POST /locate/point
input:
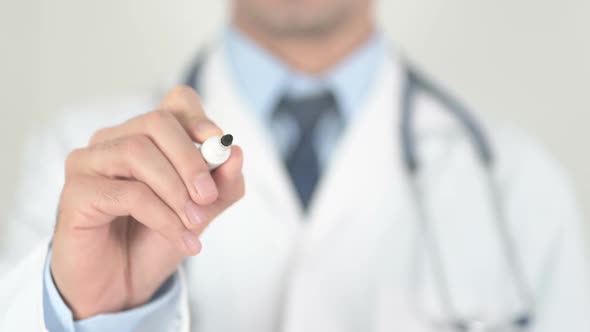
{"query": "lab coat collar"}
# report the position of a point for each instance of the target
(355, 169)
(263, 168)
(365, 161)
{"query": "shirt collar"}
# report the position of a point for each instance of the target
(350, 79)
(263, 79)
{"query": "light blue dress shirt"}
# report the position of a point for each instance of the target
(348, 80)
(262, 79)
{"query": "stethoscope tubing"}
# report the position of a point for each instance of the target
(414, 83)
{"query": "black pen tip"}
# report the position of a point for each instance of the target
(227, 140)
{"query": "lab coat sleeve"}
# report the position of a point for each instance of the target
(551, 237)
(30, 219)
(25, 231)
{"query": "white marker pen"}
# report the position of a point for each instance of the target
(216, 150)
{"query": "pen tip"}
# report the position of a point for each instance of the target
(227, 140)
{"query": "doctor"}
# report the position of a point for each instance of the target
(329, 234)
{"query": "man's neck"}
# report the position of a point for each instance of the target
(313, 54)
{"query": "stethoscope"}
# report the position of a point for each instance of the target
(453, 321)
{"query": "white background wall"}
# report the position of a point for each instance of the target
(525, 62)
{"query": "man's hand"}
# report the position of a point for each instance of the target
(134, 203)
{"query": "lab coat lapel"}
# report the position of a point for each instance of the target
(263, 169)
(365, 163)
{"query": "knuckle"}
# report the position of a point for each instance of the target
(98, 136)
(114, 192)
(158, 118)
(183, 101)
(73, 188)
(69, 192)
(136, 146)
(72, 160)
(70, 185)
(140, 192)
(196, 117)
(185, 92)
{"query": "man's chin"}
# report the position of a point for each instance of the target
(295, 19)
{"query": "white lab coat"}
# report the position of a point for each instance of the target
(348, 266)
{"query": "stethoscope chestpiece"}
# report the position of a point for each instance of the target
(461, 326)
(473, 325)
(523, 321)
(520, 323)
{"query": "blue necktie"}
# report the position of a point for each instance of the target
(302, 161)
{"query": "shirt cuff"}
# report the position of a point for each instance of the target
(159, 314)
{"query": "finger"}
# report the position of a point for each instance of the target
(229, 178)
(231, 188)
(170, 138)
(185, 104)
(102, 200)
(136, 157)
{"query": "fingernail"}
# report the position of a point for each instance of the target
(205, 186)
(192, 242)
(193, 213)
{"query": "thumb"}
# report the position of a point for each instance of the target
(185, 104)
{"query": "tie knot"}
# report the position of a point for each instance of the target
(308, 110)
